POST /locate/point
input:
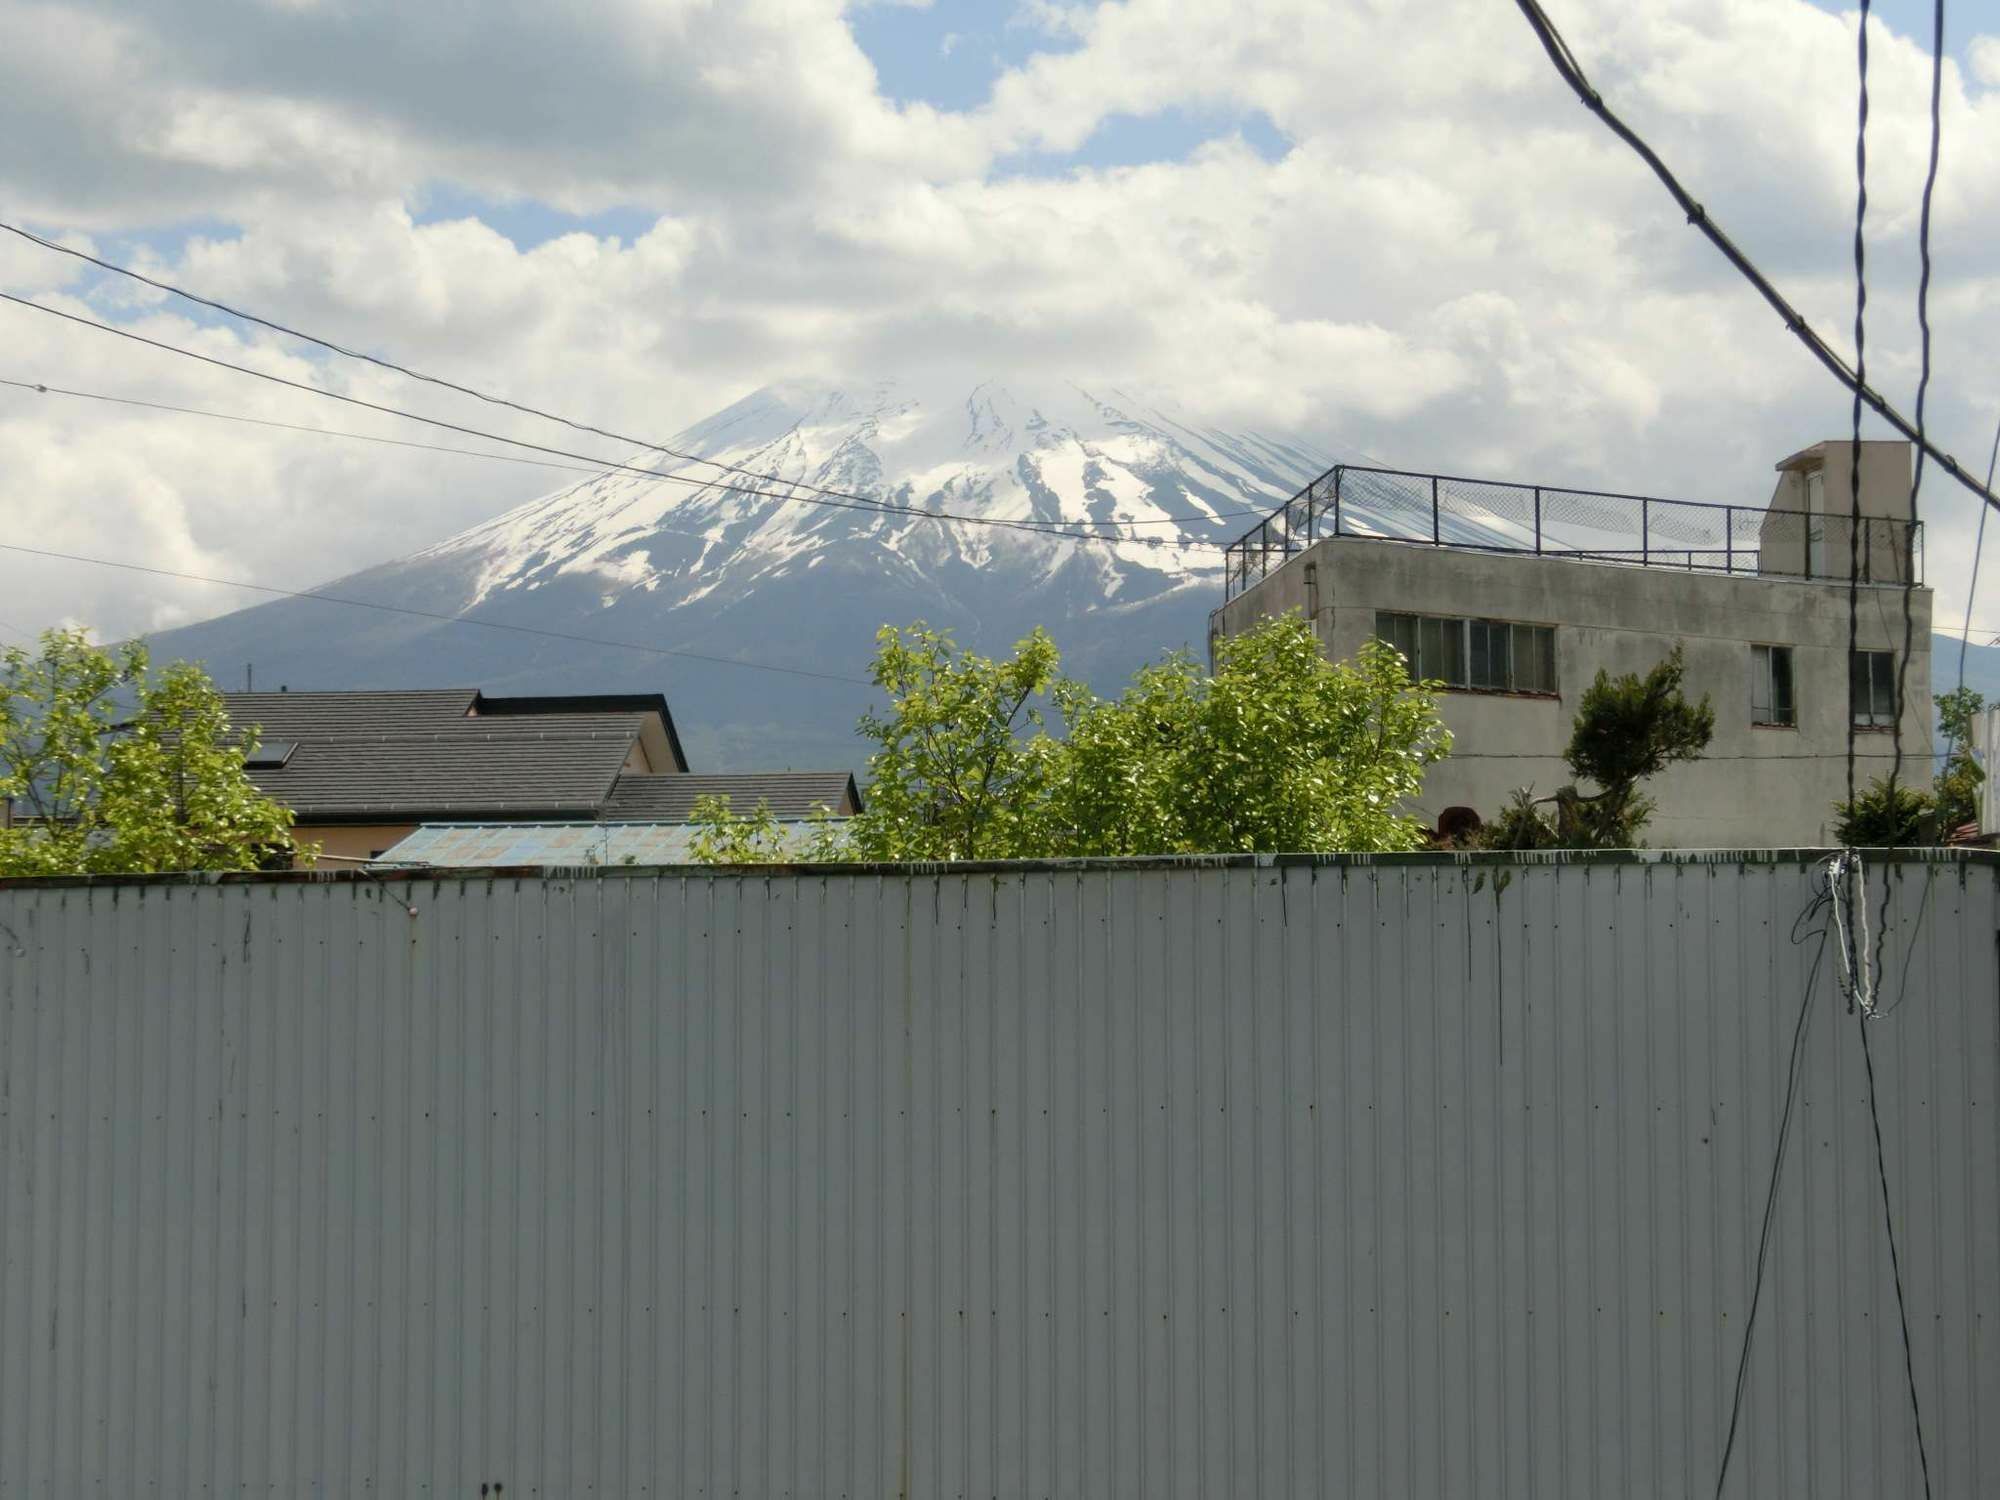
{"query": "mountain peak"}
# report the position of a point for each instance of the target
(734, 551)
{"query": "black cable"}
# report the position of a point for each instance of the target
(1924, 376)
(1895, 1261)
(429, 614)
(1860, 381)
(597, 469)
(1572, 73)
(1819, 905)
(40, 388)
(1923, 389)
(875, 506)
(451, 385)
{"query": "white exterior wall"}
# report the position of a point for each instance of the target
(1413, 1177)
(1755, 786)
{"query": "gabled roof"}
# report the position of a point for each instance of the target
(291, 716)
(486, 706)
(456, 754)
(791, 794)
(407, 756)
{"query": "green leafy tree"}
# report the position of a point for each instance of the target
(1627, 729)
(961, 765)
(1887, 815)
(1279, 749)
(726, 837)
(114, 770)
(1958, 782)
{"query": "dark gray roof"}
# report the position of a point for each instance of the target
(408, 756)
(293, 716)
(791, 794)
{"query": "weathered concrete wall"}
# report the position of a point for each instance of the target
(1756, 786)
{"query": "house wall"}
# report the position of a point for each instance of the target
(344, 843)
(1755, 786)
(1199, 1178)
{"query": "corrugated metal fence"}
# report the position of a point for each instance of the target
(1403, 1178)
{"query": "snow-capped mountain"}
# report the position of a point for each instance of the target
(764, 572)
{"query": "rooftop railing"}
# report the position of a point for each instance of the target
(1482, 515)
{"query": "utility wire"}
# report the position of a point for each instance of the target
(1860, 381)
(1819, 905)
(1572, 73)
(1895, 1261)
(879, 507)
(428, 614)
(1924, 377)
(600, 468)
(229, 416)
(870, 501)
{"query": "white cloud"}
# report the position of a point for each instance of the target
(1985, 54)
(1452, 266)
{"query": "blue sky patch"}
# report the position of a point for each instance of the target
(1170, 135)
(949, 54)
(527, 224)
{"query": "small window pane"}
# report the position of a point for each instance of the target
(1500, 654)
(1885, 686)
(1484, 671)
(1451, 654)
(1872, 686)
(1399, 632)
(1771, 686)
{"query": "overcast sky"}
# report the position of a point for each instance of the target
(1383, 223)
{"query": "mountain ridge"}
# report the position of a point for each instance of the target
(682, 559)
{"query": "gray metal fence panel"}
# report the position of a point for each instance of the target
(1300, 1178)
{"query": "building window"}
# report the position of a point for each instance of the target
(1771, 700)
(1871, 686)
(1490, 656)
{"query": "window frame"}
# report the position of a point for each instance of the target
(1771, 713)
(1881, 688)
(1467, 648)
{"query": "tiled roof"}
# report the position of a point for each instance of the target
(396, 756)
(291, 716)
(791, 794)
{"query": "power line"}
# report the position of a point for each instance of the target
(503, 401)
(1558, 756)
(1924, 376)
(879, 507)
(1820, 904)
(1860, 380)
(428, 614)
(41, 388)
(596, 467)
(1895, 1260)
(1572, 73)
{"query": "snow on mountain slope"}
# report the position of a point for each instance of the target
(765, 572)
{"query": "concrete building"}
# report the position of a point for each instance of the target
(1516, 596)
